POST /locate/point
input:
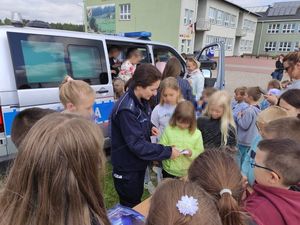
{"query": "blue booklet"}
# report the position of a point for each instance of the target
(121, 215)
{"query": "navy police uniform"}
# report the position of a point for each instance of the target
(131, 148)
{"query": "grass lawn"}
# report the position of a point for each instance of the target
(110, 195)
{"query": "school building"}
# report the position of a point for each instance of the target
(187, 25)
(278, 28)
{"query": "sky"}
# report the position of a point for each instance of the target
(71, 11)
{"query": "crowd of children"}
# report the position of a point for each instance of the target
(238, 163)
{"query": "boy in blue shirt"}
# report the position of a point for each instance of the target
(264, 117)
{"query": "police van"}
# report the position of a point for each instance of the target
(34, 61)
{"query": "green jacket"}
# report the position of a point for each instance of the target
(181, 139)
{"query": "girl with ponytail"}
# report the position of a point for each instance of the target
(217, 173)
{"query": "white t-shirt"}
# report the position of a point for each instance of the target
(161, 115)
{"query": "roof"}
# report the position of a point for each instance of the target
(241, 8)
(258, 9)
(279, 11)
(284, 9)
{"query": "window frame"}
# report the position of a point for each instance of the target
(285, 46)
(288, 28)
(273, 28)
(270, 45)
(22, 82)
(125, 12)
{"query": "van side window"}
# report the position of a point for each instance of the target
(164, 53)
(85, 62)
(42, 61)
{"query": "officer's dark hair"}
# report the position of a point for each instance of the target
(24, 121)
(292, 97)
(144, 76)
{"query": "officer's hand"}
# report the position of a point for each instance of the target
(155, 131)
(175, 153)
(189, 153)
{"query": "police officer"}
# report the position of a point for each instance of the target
(131, 149)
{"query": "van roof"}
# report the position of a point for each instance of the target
(75, 34)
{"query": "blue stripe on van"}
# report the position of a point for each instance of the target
(8, 120)
(102, 111)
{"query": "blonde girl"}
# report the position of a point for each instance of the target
(182, 203)
(170, 95)
(77, 97)
(182, 132)
(195, 77)
(55, 177)
(217, 125)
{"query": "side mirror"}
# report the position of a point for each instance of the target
(206, 73)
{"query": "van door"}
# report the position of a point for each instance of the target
(42, 61)
(218, 80)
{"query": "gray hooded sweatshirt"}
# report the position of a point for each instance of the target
(246, 125)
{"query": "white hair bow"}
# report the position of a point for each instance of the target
(187, 205)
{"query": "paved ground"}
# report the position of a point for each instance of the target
(248, 72)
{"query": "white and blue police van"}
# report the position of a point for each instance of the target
(34, 61)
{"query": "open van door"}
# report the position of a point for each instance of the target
(217, 80)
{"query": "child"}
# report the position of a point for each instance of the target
(170, 95)
(202, 103)
(285, 84)
(288, 127)
(55, 176)
(195, 77)
(246, 122)
(180, 202)
(77, 97)
(274, 88)
(217, 173)
(113, 54)
(133, 57)
(182, 132)
(264, 117)
(217, 125)
(24, 121)
(119, 88)
(276, 196)
(239, 104)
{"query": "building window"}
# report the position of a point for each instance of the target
(273, 28)
(226, 19)
(125, 12)
(249, 25)
(185, 19)
(228, 44)
(288, 28)
(190, 18)
(242, 45)
(220, 17)
(270, 46)
(232, 21)
(250, 46)
(285, 46)
(212, 15)
(182, 45)
(296, 46)
(188, 46)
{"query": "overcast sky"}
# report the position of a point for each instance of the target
(70, 11)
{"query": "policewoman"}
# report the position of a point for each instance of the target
(131, 148)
